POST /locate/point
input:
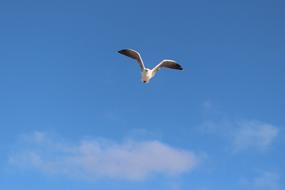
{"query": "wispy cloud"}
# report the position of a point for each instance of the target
(253, 134)
(265, 180)
(93, 159)
(244, 135)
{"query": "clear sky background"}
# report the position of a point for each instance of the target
(74, 114)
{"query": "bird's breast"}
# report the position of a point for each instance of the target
(146, 76)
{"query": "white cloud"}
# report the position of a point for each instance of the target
(94, 159)
(253, 134)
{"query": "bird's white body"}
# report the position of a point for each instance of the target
(147, 74)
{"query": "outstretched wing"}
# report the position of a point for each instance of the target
(168, 64)
(133, 54)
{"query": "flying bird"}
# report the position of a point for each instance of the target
(147, 74)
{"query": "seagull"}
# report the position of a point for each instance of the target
(147, 74)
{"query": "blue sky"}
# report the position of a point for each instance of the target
(74, 114)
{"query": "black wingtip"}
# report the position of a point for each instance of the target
(121, 51)
(179, 67)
